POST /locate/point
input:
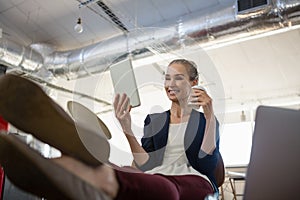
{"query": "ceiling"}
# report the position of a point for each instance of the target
(253, 67)
(41, 21)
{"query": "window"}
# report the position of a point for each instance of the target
(235, 143)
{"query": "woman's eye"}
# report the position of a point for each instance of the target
(178, 78)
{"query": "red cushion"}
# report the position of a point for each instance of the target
(3, 124)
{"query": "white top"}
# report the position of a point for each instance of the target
(175, 161)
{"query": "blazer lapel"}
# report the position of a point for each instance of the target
(160, 125)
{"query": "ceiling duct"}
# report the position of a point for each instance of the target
(209, 29)
(15, 55)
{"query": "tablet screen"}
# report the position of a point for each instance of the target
(123, 78)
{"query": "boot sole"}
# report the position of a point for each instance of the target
(27, 107)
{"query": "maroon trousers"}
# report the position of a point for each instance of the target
(141, 186)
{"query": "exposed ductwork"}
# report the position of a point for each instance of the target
(197, 28)
(15, 55)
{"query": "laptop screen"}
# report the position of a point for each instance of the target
(273, 171)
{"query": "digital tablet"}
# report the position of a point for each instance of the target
(124, 81)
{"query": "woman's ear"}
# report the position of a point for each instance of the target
(195, 82)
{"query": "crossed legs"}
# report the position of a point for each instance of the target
(80, 172)
(25, 105)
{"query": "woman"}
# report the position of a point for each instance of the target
(180, 142)
(176, 160)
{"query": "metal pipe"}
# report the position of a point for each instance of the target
(209, 29)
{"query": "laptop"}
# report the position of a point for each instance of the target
(274, 168)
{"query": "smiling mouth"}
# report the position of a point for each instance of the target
(173, 91)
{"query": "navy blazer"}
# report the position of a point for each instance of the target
(154, 141)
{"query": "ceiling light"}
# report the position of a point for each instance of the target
(78, 27)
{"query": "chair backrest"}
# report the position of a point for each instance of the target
(220, 171)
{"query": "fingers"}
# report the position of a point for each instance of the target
(121, 105)
(116, 101)
(124, 103)
(201, 98)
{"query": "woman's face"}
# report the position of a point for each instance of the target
(177, 83)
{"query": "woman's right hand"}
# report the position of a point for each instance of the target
(122, 112)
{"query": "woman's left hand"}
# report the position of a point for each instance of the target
(201, 98)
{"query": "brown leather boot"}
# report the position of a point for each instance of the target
(27, 107)
(33, 173)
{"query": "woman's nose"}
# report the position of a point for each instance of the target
(172, 82)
